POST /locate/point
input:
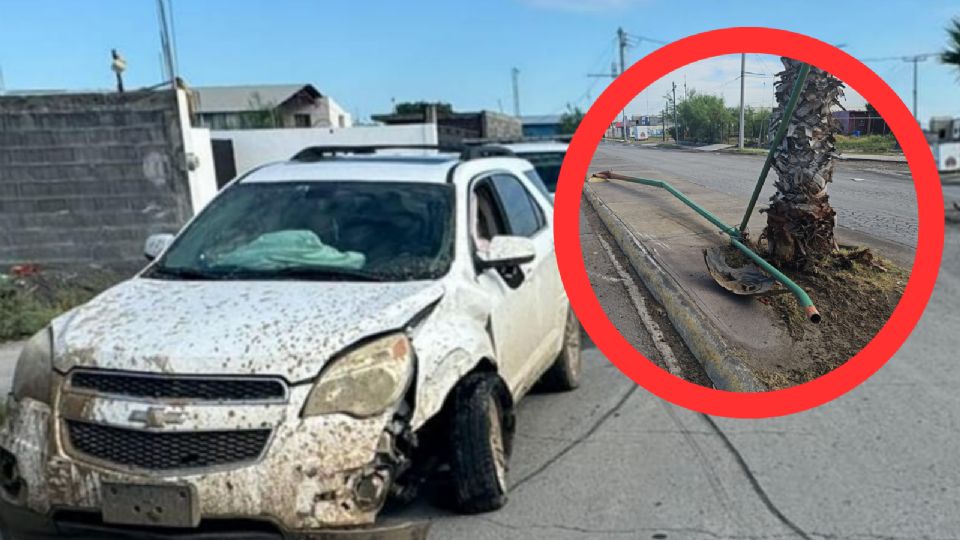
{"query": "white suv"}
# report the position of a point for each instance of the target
(326, 333)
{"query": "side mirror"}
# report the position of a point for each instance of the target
(156, 244)
(505, 251)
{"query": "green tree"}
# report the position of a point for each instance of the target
(951, 55)
(800, 220)
(704, 118)
(570, 119)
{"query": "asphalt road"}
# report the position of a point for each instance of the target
(870, 197)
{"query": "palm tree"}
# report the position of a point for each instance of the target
(800, 220)
(952, 54)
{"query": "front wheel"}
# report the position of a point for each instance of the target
(481, 431)
(564, 374)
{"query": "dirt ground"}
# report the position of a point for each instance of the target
(855, 291)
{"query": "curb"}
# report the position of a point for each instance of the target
(719, 360)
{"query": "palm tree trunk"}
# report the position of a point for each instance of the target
(800, 220)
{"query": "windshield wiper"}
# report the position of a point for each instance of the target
(183, 273)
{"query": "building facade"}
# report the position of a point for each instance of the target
(266, 106)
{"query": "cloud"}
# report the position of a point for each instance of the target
(582, 6)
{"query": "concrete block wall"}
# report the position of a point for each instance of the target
(85, 178)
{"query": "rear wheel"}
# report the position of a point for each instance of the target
(481, 432)
(564, 374)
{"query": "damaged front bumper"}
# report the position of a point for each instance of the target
(326, 473)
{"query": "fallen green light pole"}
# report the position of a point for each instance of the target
(736, 235)
(735, 239)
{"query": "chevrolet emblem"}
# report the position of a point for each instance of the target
(157, 417)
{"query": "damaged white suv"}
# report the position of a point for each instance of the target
(327, 333)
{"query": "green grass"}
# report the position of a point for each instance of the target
(24, 312)
(869, 144)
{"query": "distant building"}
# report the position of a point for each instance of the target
(454, 127)
(861, 123)
(266, 106)
(543, 125)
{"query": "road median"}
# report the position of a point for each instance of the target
(743, 343)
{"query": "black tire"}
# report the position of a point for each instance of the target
(564, 374)
(481, 436)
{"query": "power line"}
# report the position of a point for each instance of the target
(915, 59)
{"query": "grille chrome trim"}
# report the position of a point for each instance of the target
(162, 451)
(195, 388)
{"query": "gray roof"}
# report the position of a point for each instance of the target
(541, 119)
(212, 99)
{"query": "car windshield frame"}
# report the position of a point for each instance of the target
(446, 253)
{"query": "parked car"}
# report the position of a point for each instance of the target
(546, 157)
(325, 334)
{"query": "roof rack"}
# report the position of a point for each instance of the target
(467, 152)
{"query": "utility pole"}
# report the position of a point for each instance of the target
(165, 45)
(118, 65)
(622, 43)
(916, 59)
(743, 70)
(516, 91)
(676, 126)
(663, 122)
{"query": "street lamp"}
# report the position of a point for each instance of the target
(119, 65)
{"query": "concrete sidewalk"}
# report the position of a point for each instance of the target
(738, 339)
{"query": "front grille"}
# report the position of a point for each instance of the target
(166, 450)
(173, 387)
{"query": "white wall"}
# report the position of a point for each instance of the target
(201, 175)
(253, 147)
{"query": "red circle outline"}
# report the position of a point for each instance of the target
(930, 231)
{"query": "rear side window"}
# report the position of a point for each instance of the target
(524, 214)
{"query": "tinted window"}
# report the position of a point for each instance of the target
(538, 183)
(522, 212)
(547, 165)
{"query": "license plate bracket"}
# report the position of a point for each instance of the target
(153, 505)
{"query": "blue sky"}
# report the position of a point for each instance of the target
(365, 54)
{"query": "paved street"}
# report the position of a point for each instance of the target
(874, 198)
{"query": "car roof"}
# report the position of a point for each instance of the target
(427, 168)
(536, 147)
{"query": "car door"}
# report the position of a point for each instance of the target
(510, 290)
(526, 218)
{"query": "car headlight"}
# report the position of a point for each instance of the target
(34, 371)
(365, 381)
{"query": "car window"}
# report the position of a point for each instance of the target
(384, 231)
(538, 183)
(488, 221)
(523, 213)
(547, 165)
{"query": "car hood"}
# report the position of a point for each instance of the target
(284, 328)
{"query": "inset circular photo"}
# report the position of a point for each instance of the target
(748, 184)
